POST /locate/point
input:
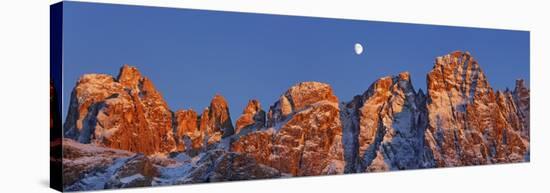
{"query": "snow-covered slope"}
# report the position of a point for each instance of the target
(90, 167)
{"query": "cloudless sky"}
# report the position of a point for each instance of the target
(190, 55)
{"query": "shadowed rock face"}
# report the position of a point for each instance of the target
(385, 127)
(305, 135)
(215, 120)
(137, 171)
(88, 167)
(521, 96)
(253, 117)
(468, 123)
(219, 165)
(461, 121)
(124, 113)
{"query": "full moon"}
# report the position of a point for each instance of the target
(358, 48)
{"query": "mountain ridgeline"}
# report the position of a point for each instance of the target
(459, 121)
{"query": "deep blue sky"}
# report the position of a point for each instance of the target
(190, 55)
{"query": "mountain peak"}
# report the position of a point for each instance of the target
(456, 57)
(460, 100)
(404, 76)
(218, 99)
(459, 53)
(304, 94)
(299, 97)
(219, 104)
(129, 76)
(215, 120)
(252, 106)
(127, 113)
(304, 135)
(388, 84)
(457, 72)
(520, 86)
(253, 115)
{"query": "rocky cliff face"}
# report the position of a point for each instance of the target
(459, 121)
(304, 135)
(521, 96)
(188, 135)
(123, 113)
(253, 117)
(468, 123)
(198, 132)
(215, 121)
(384, 127)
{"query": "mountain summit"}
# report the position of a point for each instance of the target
(125, 113)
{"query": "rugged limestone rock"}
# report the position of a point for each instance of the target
(305, 135)
(124, 113)
(195, 133)
(297, 98)
(384, 127)
(468, 124)
(188, 135)
(253, 117)
(215, 121)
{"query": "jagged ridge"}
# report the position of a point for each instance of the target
(460, 121)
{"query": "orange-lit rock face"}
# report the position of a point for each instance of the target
(468, 124)
(253, 117)
(215, 121)
(125, 113)
(188, 135)
(299, 97)
(187, 122)
(197, 132)
(305, 138)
